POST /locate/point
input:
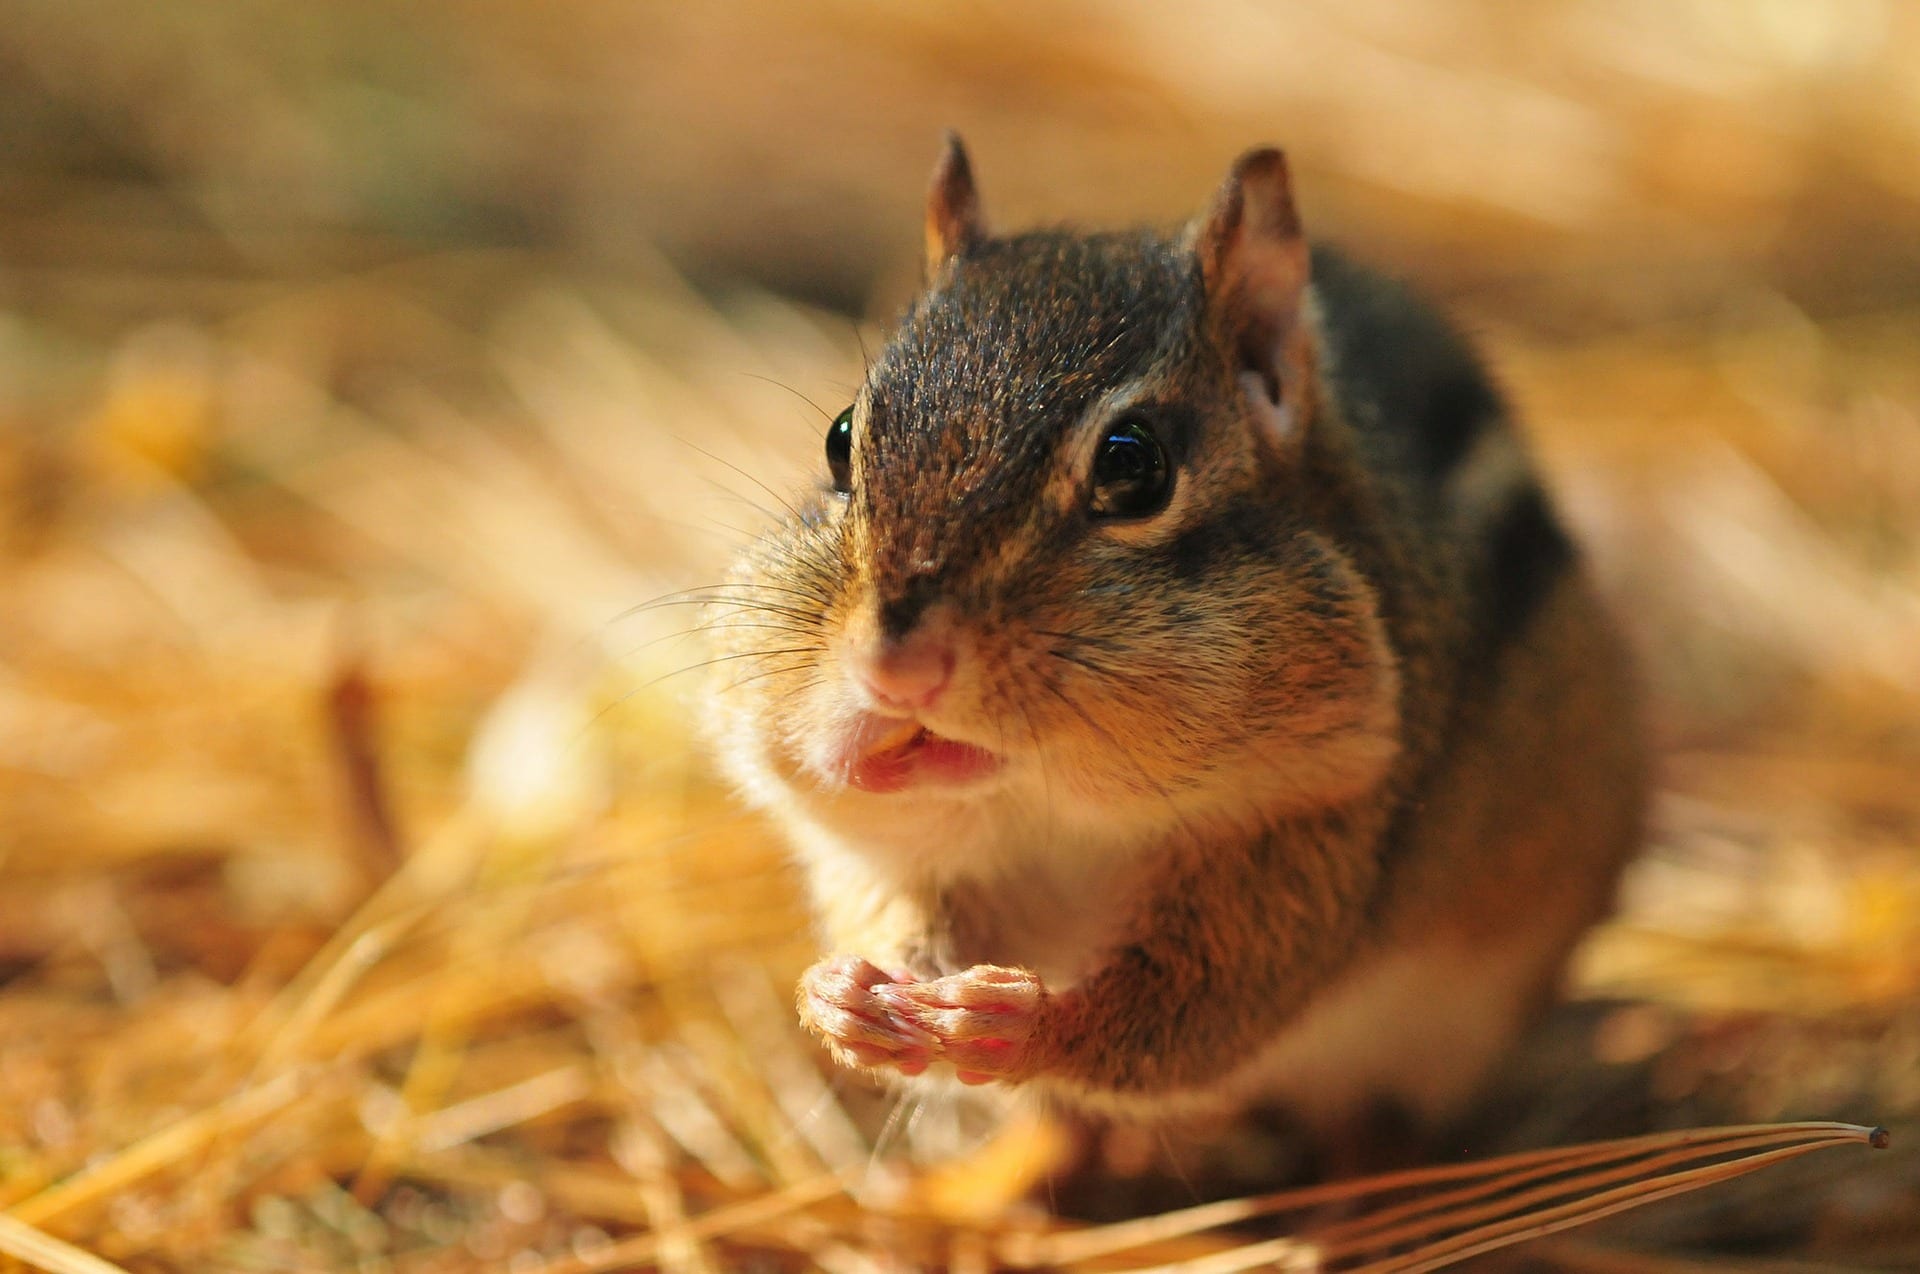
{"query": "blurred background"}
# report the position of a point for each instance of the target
(363, 902)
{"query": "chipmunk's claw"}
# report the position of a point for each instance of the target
(838, 1003)
(980, 1020)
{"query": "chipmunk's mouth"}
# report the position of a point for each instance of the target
(889, 755)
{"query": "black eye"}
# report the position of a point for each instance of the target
(840, 451)
(1131, 476)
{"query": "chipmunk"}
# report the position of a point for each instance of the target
(1180, 693)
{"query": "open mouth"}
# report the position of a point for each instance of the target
(908, 753)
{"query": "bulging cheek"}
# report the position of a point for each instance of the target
(805, 716)
(1100, 735)
(759, 689)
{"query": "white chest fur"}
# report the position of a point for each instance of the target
(1019, 884)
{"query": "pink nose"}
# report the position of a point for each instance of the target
(908, 674)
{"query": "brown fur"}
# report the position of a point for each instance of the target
(1344, 712)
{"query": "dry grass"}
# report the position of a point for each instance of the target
(363, 903)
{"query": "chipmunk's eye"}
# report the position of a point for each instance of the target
(840, 451)
(1131, 476)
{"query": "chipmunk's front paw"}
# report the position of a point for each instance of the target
(981, 1019)
(840, 1004)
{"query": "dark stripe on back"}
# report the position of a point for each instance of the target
(1526, 552)
(1430, 397)
(1461, 408)
(1522, 552)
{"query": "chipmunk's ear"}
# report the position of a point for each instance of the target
(1254, 264)
(954, 223)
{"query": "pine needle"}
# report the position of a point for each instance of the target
(43, 1251)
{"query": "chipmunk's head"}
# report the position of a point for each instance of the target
(1070, 541)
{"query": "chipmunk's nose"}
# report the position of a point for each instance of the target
(907, 673)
